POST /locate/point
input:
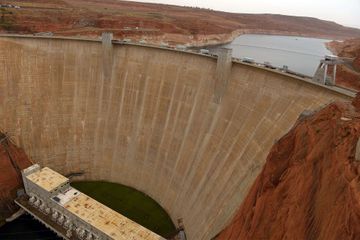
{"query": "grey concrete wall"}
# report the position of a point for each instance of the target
(152, 123)
(223, 72)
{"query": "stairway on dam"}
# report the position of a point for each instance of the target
(150, 118)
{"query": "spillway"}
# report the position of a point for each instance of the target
(146, 117)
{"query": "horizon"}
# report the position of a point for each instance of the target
(336, 11)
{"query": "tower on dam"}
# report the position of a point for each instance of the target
(326, 71)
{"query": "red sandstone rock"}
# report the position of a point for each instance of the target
(356, 102)
(12, 161)
(348, 78)
(309, 187)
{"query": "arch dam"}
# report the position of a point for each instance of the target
(151, 118)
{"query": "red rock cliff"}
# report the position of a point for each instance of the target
(309, 187)
(12, 161)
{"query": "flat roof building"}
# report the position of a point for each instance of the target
(106, 220)
(54, 200)
(47, 179)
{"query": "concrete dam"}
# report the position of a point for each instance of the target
(151, 118)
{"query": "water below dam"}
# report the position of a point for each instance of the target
(300, 54)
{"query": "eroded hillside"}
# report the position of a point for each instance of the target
(155, 23)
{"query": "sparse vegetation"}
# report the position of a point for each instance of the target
(6, 22)
(156, 15)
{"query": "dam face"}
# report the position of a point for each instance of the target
(146, 117)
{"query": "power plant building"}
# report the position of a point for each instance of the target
(50, 198)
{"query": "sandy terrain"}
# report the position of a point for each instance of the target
(155, 23)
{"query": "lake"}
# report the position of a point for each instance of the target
(300, 54)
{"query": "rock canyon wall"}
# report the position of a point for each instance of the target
(309, 187)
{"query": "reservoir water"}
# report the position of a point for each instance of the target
(300, 54)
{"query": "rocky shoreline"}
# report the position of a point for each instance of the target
(203, 40)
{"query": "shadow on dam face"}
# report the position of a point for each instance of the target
(146, 117)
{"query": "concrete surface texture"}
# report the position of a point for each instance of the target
(151, 122)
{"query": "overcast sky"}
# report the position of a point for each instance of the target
(345, 12)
